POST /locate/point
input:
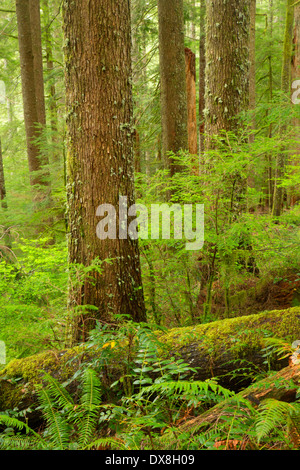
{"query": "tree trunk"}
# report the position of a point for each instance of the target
(286, 89)
(202, 65)
(31, 77)
(172, 76)
(190, 74)
(52, 89)
(2, 181)
(100, 160)
(252, 75)
(227, 64)
(294, 194)
(213, 349)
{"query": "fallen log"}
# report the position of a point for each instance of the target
(215, 349)
(282, 385)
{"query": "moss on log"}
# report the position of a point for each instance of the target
(214, 349)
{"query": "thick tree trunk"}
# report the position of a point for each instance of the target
(227, 64)
(100, 160)
(286, 89)
(294, 193)
(252, 75)
(172, 76)
(202, 65)
(32, 83)
(214, 350)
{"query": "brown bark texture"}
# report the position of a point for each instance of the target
(32, 85)
(172, 77)
(100, 159)
(227, 64)
(190, 74)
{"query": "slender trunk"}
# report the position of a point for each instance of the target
(100, 161)
(2, 181)
(190, 73)
(36, 37)
(269, 169)
(52, 88)
(173, 85)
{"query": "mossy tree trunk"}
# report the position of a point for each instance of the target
(100, 159)
(172, 77)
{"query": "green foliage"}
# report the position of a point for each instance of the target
(69, 425)
(33, 297)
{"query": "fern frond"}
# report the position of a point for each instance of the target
(90, 401)
(62, 398)
(107, 442)
(19, 425)
(58, 429)
(272, 413)
(183, 387)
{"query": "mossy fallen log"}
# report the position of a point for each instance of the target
(214, 349)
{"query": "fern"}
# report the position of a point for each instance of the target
(89, 405)
(273, 413)
(58, 429)
(185, 388)
(16, 442)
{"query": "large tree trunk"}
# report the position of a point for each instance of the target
(286, 89)
(202, 66)
(32, 86)
(214, 350)
(100, 160)
(172, 77)
(227, 64)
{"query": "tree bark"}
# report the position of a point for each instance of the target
(2, 181)
(294, 194)
(202, 65)
(172, 76)
(190, 75)
(227, 64)
(32, 84)
(252, 74)
(213, 349)
(286, 89)
(100, 160)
